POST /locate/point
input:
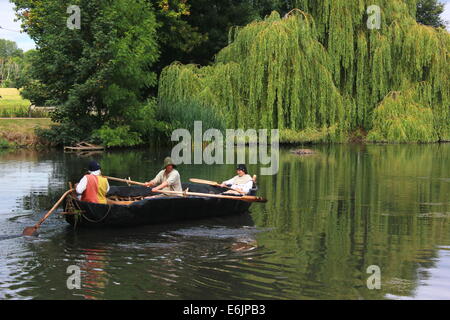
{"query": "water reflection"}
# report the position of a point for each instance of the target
(329, 217)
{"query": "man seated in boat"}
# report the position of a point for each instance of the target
(242, 183)
(93, 187)
(168, 179)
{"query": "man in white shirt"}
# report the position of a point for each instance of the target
(242, 182)
(93, 187)
(168, 179)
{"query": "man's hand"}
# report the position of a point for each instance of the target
(149, 184)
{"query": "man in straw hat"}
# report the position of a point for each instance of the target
(168, 179)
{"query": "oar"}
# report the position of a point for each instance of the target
(214, 184)
(242, 198)
(126, 181)
(32, 231)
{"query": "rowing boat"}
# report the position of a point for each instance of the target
(129, 206)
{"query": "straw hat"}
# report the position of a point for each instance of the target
(168, 162)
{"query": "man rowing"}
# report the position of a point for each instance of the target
(168, 179)
(242, 182)
(93, 187)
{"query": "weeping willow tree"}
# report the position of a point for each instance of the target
(400, 119)
(321, 68)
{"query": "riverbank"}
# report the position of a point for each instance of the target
(20, 132)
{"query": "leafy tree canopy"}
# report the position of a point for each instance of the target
(98, 72)
(429, 13)
(9, 49)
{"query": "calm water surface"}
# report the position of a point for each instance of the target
(329, 217)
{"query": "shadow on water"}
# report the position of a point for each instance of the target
(176, 261)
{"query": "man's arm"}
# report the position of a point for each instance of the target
(228, 182)
(81, 186)
(155, 181)
(161, 186)
(171, 180)
(247, 187)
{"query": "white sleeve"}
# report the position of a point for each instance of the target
(229, 182)
(247, 187)
(82, 185)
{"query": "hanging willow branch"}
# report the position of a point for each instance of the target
(321, 67)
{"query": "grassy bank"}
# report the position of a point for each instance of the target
(16, 130)
(21, 132)
(12, 104)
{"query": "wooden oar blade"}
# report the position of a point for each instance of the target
(30, 231)
(254, 199)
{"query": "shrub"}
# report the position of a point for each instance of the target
(144, 121)
(62, 134)
(120, 136)
(310, 135)
(4, 144)
(184, 114)
(400, 119)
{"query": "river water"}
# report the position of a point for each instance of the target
(330, 216)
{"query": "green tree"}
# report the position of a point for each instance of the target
(176, 37)
(214, 19)
(429, 13)
(97, 73)
(32, 88)
(9, 49)
(196, 34)
(322, 69)
(10, 63)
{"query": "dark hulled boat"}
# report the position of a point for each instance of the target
(127, 207)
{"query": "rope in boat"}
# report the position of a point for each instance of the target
(98, 221)
(75, 207)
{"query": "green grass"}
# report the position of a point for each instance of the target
(21, 132)
(12, 104)
(23, 125)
